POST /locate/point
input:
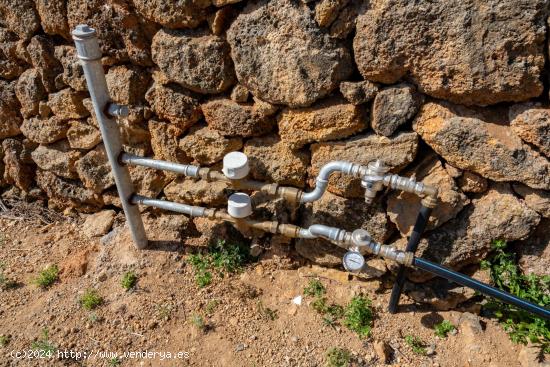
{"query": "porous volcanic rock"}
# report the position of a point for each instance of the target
(127, 84)
(197, 192)
(18, 166)
(197, 61)
(175, 104)
(173, 14)
(41, 52)
(9, 107)
(272, 160)
(345, 22)
(348, 214)
(538, 200)
(534, 252)
(165, 141)
(30, 91)
(481, 141)
(267, 45)
(82, 135)
(403, 207)
(471, 182)
(11, 66)
(98, 223)
(468, 52)
(67, 104)
(532, 124)
(240, 94)
(236, 119)
(57, 158)
(20, 17)
(73, 75)
(396, 152)
(53, 17)
(68, 193)
(358, 92)
(329, 119)
(94, 170)
(45, 130)
(497, 215)
(147, 181)
(394, 106)
(208, 146)
(326, 11)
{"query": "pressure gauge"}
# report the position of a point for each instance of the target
(353, 261)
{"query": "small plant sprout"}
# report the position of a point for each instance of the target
(444, 328)
(48, 276)
(211, 306)
(358, 316)
(4, 340)
(266, 312)
(114, 362)
(129, 280)
(43, 344)
(164, 311)
(416, 345)
(91, 300)
(338, 357)
(314, 288)
(198, 322)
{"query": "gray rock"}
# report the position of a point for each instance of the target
(45, 131)
(57, 158)
(11, 65)
(283, 71)
(73, 75)
(68, 193)
(30, 91)
(94, 170)
(9, 107)
(358, 92)
(455, 50)
(127, 84)
(18, 167)
(98, 224)
(532, 124)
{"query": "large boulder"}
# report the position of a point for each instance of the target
(18, 166)
(175, 104)
(45, 130)
(57, 158)
(20, 17)
(403, 207)
(396, 152)
(272, 160)
(197, 61)
(348, 214)
(53, 16)
(532, 124)
(237, 119)
(329, 119)
(467, 239)
(30, 91)
(9, 107)
(173, 14)
(481, 141)
(208, 146)
(468, 52)
(283, 57)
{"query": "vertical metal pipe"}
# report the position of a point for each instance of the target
(412, 245)
(88, 51)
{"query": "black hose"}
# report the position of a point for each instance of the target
(486, 289)
(412, 245)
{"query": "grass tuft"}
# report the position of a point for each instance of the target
(129, 280)
(48, 276)
(198, 322)
(359, 315)
(91, 300)
(4, 340)
(314, 288)
(444, 328)
(43, 344)
(416, 345)
(338, 357)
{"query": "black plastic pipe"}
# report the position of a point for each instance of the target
(412, 245)
(486, 289)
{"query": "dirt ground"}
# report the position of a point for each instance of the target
(158, 315)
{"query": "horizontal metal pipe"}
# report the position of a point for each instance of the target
(321, 182)
(480, 287)
(193, 211)
(182, 169)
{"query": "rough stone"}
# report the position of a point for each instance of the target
(175, 104)
(82, 135)
(456, 50)
(235, 119)
(532, 124)
(396, 152)
(94, 170)
(480, 141)
(538, 200)
(394, 106)
(57, 158)
(18, 168)
(326, 11)
(30, 91)
(345, 22)
(127, 84)
(11, 66)
(208, 146)
(467, 238)
(9, 107)
(197, 192)
(147, 181)
(73, 75)
(165, 142)
(403, 207)
(358, 92)
(41, 52)
(20, 17)
(329, 119)
(281, 70)
(98, 224)
(173, 14)
(272, 160)
(68, 193)
(53, 16)
(45, 131)
(123, 35)
(197, 61)
(470, 182)
(383, 351)
(348, 214)
(221, 20)
(534, 252)
(67, 104)
(239, 94)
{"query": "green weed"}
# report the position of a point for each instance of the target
(4, 340)
(338, 357)
(522, 326)
(91, 299)
(444, 328)
(416, 344)
(358, 316)
(47, 276)
(198, 322)
(114, 362)
(314, 288)
(43, 344)
(129, 280)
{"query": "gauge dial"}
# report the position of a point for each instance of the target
(353, 261)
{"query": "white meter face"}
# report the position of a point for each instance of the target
(353, 261)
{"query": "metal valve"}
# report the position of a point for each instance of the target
(372, 181)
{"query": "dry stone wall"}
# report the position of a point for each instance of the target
(453, 92)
